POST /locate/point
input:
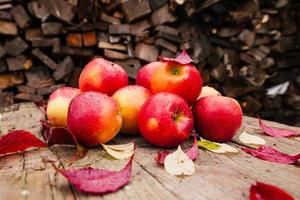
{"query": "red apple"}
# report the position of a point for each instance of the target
(217, 118)
(94, 118)
(102, 76)
(178, 76)
(58, 105)
(165, 120)
(130, 99)
(143, 77)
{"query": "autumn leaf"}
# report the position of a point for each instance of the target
(178, 163)
(272, 155)
(19, 140)
(262, 191)
(119, 151)
(161, 156)
(216, 147)
(276, 132)
(183, 58)
(98, 181)
(61, 135)
(252, 140)
(192, 153)
(208, 91)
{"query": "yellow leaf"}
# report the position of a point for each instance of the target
(216, 147)
(180, 2)
(178, 163)
(121, 147)
(249, 139)
(209, 91)
(120, 151)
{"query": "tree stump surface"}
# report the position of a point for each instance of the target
(218, 176)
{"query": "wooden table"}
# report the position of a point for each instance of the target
(218, 176)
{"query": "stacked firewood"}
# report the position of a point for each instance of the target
(248, 50)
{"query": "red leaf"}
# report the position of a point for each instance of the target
(192, 153)
(19, 141)
(161, 156)
(272, 155)
(276, 132)
(61, 135)
(182, 58)
(57, 135)
(262, 191)
(98, 181)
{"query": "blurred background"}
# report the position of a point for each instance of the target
(247, 49)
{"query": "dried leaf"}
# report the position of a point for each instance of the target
(19, 140)
(216, 147)
(208, 91)
(249, 139)
(161, 156)
(272, 155)
(61, 135)
(120, 151)
(57, 135)
(178, 163)
(192, 153)
(262, 191)
(180, 2)
(182, 58)
(278, 89)
(121, 147)
(98, 181)
(276, 132)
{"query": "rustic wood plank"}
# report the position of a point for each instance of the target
(142, 183)
(3, 66)
(6, 99)
(38, 77)
(136, 9)
(5, 15)
(162, 15)
(45, 42)
(20, 16)
(16, 46)
(218, 176)
(74, 40)
(29, 97)
(26, 175)
(11, 79)
(64, 68)
(60, 9)
(89, 39)
(18, 63)
(53, 28)
(44, 58)
(33, 33)
(63, 50)
(146, 52)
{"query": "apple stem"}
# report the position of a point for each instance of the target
(175, 71)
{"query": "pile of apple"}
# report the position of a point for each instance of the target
(164, 106)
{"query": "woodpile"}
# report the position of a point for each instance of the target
(249, 49)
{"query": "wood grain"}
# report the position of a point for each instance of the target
(29, 175)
